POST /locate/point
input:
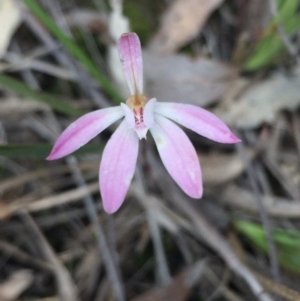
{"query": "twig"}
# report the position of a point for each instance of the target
(52, 201)
(14, 286)
(67, 290)
(263, 214)
(17, 64)
(112, 241)
(161, 261)
(23, 257)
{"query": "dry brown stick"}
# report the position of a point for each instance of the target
(57, 200)
(65, 285)
(22, 256)
(17, 64)
(12, 287)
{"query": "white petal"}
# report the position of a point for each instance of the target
(149, 112)
(129, 117)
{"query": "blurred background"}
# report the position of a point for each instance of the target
(238, 59)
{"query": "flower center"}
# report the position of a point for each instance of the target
(137, 103)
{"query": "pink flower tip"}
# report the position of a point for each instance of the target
(197, 194)
(51, 157)
(233, 139)
(54, 155)
(111, 209)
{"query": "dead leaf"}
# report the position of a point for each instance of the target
(15, 285)
(218, 168)
(179, 78)
(181, 23)
(240, 198)
(260, 102)
(10, 18)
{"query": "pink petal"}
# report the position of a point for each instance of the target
(130, 53)
(178, 155)
(83, 130)
(198, 120)
(117, 167)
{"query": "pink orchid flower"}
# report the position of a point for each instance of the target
(142, 114)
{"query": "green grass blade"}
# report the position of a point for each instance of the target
(287, 242)
(41, 151)
(271, 47)
(9, 83)
(73, 49)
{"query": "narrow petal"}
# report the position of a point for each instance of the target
(117, 167)
(178, 155)
(130, 53)
(198, 120)
(83, 130)
(149, 112)
(129, 116)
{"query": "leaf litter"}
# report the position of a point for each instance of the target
(261, 102)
